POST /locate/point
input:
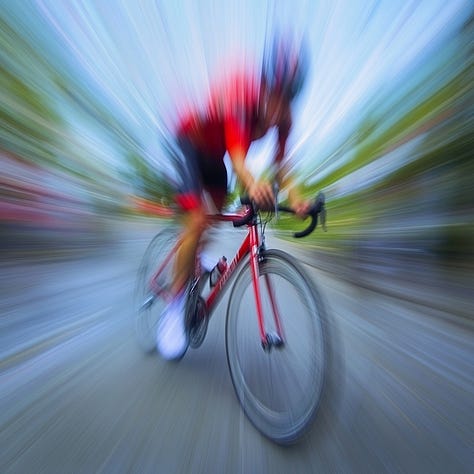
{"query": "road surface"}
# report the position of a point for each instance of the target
(78, 395)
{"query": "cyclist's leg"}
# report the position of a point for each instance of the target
(196, 173)
(214, 178)
(194, 224)
(171, 336)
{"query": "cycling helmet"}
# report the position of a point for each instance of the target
(284, 68)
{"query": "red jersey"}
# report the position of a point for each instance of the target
(228, 121)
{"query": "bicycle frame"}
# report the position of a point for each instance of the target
(250, 246)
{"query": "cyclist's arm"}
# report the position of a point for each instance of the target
(259, 191)
(237, 144)
(237, 135)
(284, 177)
(284, 128)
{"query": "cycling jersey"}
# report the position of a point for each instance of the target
(229, 122)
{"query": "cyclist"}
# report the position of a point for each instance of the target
(240, 110)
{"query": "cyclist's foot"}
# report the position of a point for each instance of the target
(171, 337)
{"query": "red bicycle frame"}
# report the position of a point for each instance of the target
(251, 245)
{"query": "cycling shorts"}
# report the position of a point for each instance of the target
(199, 172)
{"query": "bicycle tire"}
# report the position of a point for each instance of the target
(261, 378)
(146, 318)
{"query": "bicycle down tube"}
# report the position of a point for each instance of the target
(249, 246)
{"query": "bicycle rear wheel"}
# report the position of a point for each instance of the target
(152, 291)
(279, 389)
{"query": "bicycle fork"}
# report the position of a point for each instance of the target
(268, 340)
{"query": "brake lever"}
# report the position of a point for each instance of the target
(323, 218)
(276, 189)
(321, 200)
(318, 208)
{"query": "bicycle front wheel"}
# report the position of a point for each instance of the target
(279, 389)
(153, 292)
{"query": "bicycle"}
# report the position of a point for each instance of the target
(277, 349)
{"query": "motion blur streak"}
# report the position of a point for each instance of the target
(384, 125)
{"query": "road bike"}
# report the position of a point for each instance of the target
(276, 323)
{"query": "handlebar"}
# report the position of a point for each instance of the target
(318, 208)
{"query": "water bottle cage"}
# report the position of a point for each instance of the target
(214, 276)
(217, 271)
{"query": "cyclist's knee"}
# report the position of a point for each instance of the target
(196, 221)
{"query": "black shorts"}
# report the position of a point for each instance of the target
(199, 172)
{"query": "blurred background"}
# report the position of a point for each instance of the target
(384, 126)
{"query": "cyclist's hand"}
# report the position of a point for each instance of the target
(299, 205)
(301, 208)
(261, 192)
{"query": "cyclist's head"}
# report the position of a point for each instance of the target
(284, 68)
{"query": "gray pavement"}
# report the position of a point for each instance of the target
(78, 395)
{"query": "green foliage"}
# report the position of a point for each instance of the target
(428, 201)
(436, 178)
(148, 182)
